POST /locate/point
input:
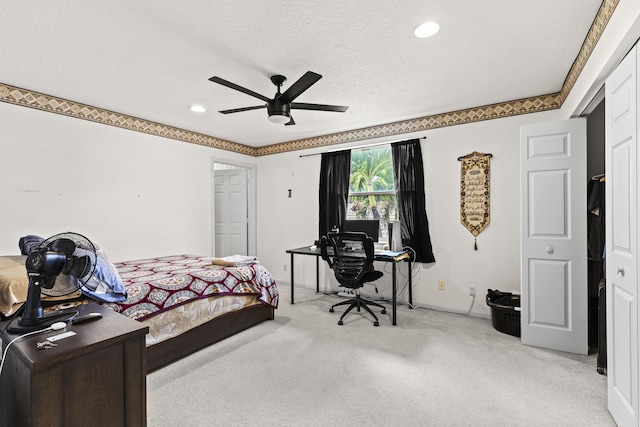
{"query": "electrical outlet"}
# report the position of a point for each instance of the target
(285, 267)
(441, 285)
(472, 291)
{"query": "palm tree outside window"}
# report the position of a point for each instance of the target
(372, 192)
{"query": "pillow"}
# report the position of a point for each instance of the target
(14, 283)
(105, 284)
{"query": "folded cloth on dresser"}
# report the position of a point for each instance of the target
(29, 243)
(235, 261)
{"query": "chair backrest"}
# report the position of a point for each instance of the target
(350, 256)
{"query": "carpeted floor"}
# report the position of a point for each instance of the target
(432, 369)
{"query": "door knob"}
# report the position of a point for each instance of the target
(620, 271)
(549, 249)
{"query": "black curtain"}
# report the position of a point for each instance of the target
(408, 175)
(334, 190)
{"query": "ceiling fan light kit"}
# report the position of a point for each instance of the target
(279, 113)
(279, 118)
(279, 107)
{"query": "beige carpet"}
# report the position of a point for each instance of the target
(432, 369)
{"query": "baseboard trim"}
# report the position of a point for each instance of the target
(388, 300)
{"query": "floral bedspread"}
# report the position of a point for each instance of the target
(158, 284)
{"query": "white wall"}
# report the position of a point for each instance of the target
(286, 223)
(139, 195)
(134, 194)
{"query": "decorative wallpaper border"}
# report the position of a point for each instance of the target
(470, 115)
(40, 101)
(597, 28)
(31, 99)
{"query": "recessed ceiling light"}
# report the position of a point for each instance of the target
(198, 109)
(427, 29)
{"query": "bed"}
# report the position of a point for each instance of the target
(188, 301)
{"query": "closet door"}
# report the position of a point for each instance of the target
(553, 238)
(621, 241)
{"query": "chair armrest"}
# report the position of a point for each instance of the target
(369, 250)
(323, 251)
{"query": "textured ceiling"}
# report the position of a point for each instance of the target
(151, 59)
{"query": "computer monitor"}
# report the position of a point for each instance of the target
(369, 226)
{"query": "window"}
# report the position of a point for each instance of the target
(372, 192)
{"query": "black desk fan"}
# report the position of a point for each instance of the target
(70, 254)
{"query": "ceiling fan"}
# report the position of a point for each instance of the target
(279, 108)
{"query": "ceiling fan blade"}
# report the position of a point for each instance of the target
(234, 86)
(321, 107)
(302, 84)
(290, 122)
(239, 110)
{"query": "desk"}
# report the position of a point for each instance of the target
(306, 250)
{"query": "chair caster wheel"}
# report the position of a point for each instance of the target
(376, 324)
(331, 310)
(340, 322)
(384, 311)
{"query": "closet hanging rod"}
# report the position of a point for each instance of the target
(361, 146)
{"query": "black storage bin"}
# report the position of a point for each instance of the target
(505, 311)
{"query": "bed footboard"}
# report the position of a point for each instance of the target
(165, 352)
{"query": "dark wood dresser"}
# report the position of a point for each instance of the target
(94, 378)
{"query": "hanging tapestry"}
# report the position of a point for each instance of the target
(475, 193)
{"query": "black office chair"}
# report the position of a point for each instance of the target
(350, 256)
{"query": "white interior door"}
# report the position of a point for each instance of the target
(554, 235)
(621, 241)
(230, 212)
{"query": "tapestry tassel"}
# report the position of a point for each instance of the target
(475, 244)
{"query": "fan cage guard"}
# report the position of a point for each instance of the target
(66, 284)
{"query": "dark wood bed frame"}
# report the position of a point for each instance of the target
(165, 352)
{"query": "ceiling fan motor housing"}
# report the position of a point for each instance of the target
(279, 112)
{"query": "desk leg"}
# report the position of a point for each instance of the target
(317, 275)
(410, 286)
(292, 278)
(393, 294)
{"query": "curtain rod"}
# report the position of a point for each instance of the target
(361, 146)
